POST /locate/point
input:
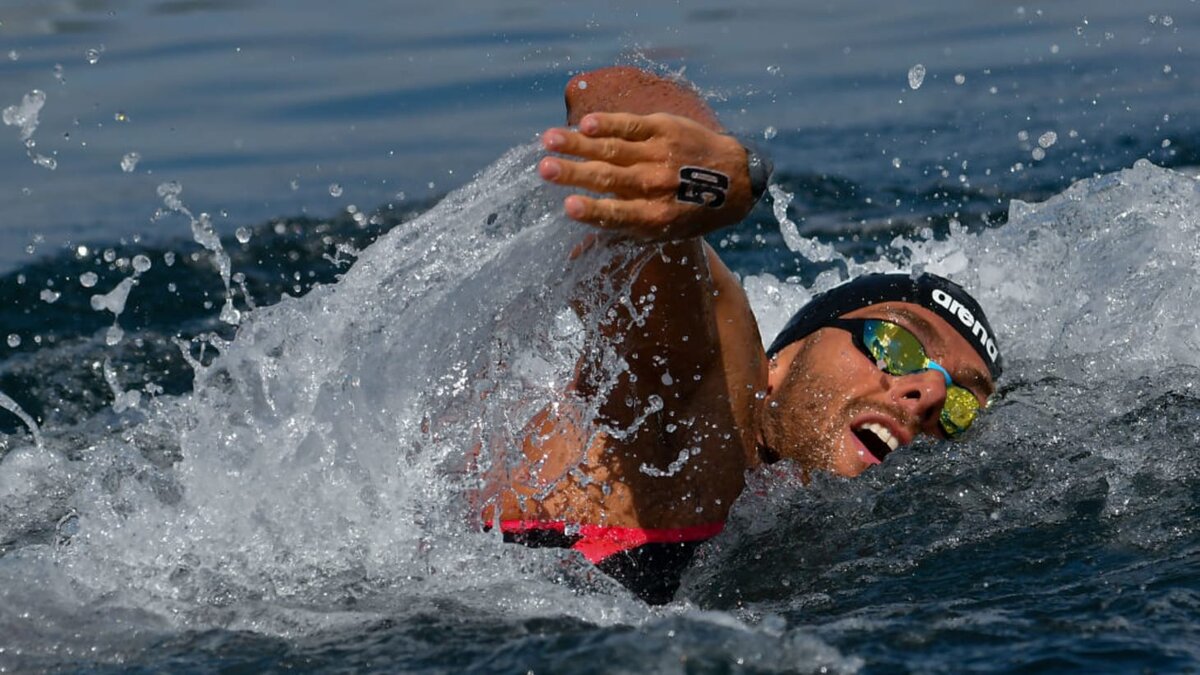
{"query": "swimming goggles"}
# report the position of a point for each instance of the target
(898, 352)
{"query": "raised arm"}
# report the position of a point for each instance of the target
(663, 174)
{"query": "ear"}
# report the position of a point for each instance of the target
(777, 370)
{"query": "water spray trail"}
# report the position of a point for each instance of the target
(11, 406)
(203, 234)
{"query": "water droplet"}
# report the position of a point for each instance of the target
(120, 116)
(230, 315)
(130, 161)
(335, 190)
(1167, 20)
(88, 279)
(1038, 154)
(48, 296)
(14, 340)
(243, 235)
(58, 73)
(1053, 49)
(1022, 135)
(1166, 143)
(114, 335)
(1047, 139)
(170, 188)
(770, 132)
(93, 55)
(109, 255)
(169, 258)
(773, 69)
(81, 252)
(916, 76)
(14, 55)
(141, 264)
(294, 184)
(583, 84)
(896, 162)
(42, 160)
(960, 78)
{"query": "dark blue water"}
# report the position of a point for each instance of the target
(275, 504)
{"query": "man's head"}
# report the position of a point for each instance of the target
(841, 392)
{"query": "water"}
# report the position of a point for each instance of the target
(257, 400)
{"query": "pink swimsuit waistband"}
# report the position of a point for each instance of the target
(597, 542)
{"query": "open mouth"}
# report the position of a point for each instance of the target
(876, 439)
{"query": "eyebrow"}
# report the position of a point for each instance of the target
(965, 375)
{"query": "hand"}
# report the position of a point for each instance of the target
(648, 164)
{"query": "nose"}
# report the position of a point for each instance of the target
(922, 395)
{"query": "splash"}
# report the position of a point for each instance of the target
(336, 446)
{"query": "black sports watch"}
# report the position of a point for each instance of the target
(760, 166)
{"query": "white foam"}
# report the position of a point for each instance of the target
(335, 448)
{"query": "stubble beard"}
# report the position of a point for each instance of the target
(806, 417)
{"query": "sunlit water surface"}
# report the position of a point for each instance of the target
(259, 372)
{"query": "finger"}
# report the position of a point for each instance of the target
(608, 149)
(602, 177)
(622, 125)
(640, 218)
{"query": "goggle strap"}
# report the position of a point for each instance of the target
(934, 365)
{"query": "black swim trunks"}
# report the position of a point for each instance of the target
(648, 562)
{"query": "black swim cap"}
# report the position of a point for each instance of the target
(944, 297)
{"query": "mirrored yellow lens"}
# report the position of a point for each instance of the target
(960, 410)
(898, 350)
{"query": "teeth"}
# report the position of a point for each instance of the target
(883, 434)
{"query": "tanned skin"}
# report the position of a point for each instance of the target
(725, 408)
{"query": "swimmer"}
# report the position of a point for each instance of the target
(857, 374)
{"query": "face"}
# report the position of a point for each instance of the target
(830, 408)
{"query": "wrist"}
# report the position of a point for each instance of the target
(758, 165)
